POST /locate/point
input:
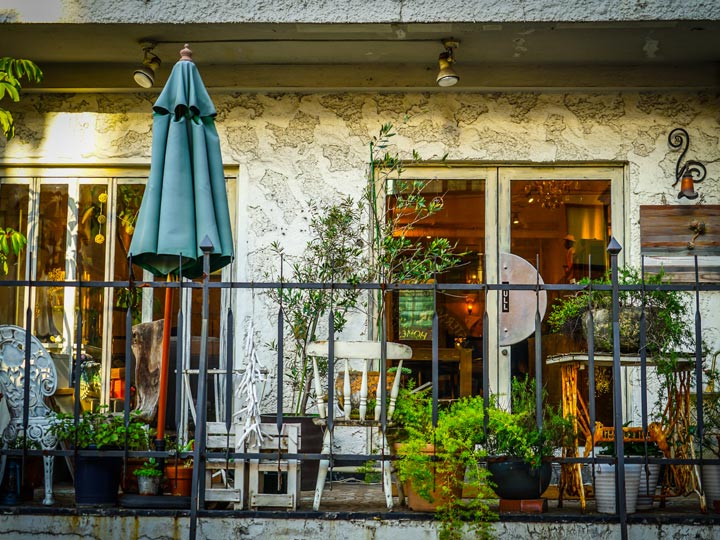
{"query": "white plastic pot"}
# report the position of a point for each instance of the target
(711, 483)
(605, 487)
(645, 497)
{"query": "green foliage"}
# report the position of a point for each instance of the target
(666, 311)
(11, 241)
(398, 255)
(454, 463)
(149, 468)
(101, 429)
(338, 251)
(20, 442)
(12, 71)
(333, 254)
(516, 434)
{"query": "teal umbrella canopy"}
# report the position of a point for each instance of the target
(185, 199)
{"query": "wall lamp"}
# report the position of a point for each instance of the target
(689, 173)
(447, 75)
(145, 76)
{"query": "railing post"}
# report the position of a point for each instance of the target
(613, 249)
(198, 485)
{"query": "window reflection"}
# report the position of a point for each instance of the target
(13, 220)
(51, 262)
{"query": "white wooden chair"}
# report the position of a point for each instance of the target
(43, 382)
(365, 351)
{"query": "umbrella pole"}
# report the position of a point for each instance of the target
(165, 361)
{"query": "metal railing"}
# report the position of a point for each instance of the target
(200, 454)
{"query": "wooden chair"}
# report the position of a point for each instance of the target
(43, 382)
(365, 351)
(287, 442)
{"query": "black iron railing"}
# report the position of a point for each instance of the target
(200, 454)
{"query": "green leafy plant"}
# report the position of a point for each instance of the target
(181, 450)
(12, 71)
(149, 468)
(101, 429)
(666, 312)
(440, 461)
(396, 206)
(338, 251)
(516, 434)
(333, 254)
(11, 242)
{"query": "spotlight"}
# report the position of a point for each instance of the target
(447, 75)
(145, 76)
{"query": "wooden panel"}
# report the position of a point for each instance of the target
(665, 230)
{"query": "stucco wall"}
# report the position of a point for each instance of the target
(295, 148)
(352, 11)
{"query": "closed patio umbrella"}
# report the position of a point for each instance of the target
(185, 200)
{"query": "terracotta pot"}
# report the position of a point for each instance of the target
(179, 480)
(418, 503)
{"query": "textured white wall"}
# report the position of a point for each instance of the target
(352, 11)
(294, 148)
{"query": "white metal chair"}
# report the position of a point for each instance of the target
(43, 382)
(365, 351)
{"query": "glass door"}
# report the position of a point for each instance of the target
(559, 219)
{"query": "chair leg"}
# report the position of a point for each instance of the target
(387, 483)
(322, 471)
(49, 464)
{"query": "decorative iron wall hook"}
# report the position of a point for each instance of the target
(691, 172)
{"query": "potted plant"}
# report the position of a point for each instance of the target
(666, 314)
(97, 477)
(640, 479)
(338, 251)
(179, 467)
(520, 450)
(138, 438)
(436, 463)
(148, 476)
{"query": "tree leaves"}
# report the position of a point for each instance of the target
(12, 70)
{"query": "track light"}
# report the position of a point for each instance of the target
(145, 76)
(447, 75)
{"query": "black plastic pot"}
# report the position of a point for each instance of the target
(518, 480)
(97, 480)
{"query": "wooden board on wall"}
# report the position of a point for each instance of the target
(665, 237)
(665, 230)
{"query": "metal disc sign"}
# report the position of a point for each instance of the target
(517, 308)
